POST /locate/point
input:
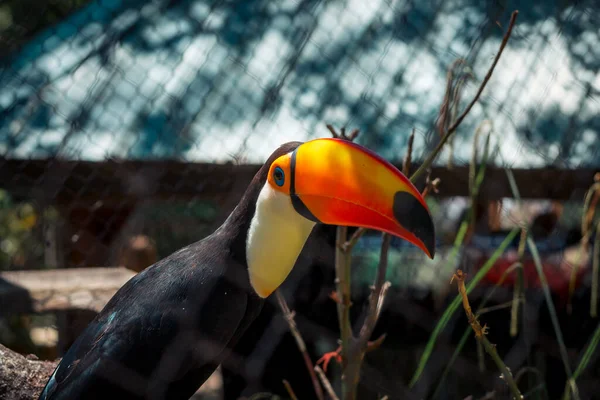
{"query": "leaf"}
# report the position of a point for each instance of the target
(456, 303)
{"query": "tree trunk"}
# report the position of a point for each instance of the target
(22, 378)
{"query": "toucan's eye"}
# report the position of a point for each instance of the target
(278, 176)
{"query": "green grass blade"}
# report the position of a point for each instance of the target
(553, 317)
(583, 363)
(456, 303)
(513, 185)
(461, 344)
(587, 355)
(468, 330)
(595, 272)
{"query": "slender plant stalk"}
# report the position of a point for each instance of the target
(376, 299)
(475, 181)
(520, 282)
(354, 348)
(326, 384)
(480, 333)
(456, 303)
(546, 290)
(591, 199)
(462, 116)
(289, 389)
(342, 267)
(289, 317)
(343, 251)
(553, 317)
(518, 288)
(351, 360)
(465, 336)
(585, 360)
(595, 268)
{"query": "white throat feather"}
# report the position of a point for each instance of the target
(275, 239)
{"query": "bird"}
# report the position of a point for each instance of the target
(167, 329)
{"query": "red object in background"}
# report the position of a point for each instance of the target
(554, 265)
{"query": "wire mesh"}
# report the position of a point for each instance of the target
(114, 115)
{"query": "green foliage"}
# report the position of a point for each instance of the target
(18, 240)
(456, 303)
(585, 359)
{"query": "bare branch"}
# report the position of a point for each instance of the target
(289, 389)
(430, 185)
(349, 244)
(460, 119)
(342, 134)
(377, 296)
(326, 383)
(289, 317)
(480, 332)
(408, 156)
(333, 131)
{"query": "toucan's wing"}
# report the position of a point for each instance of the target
(159, 328)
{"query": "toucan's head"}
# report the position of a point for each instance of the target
(336, 182)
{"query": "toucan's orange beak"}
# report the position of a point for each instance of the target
(341, 183)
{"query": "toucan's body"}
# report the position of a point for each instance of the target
(167, 329)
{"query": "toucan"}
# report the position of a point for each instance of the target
(167, 329)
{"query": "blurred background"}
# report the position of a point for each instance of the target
(129, 129)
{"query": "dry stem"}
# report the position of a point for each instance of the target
(590, 201)
(289, 389)
(326, 383)
(289, 317)
(408, 157)
(462, 116)
(377, 296)
(519, 285)
(480, 332)
(353, 349)
(342, 272)
(342, 135)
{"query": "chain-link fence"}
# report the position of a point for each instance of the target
(128, 118)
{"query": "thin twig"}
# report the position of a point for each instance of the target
(518, 288)
(465, 336)
(595, 271)
(444, 119)
(497, 307)
(326, 383)
(349, 244)
(592, 197)
(342, 268)
(289, 389)
(408, 156)
(342, 134)
(431, 185)
(343, 285)
(289, 317)
(480, 333)
(377, 295)
(553, 316)
(459, 120)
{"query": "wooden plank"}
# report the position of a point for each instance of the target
(40, 291)
(119, 182)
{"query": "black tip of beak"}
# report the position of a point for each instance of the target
(415, 218)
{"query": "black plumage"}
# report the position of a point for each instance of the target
(167, 329)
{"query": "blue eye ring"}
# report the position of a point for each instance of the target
(278, 176)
